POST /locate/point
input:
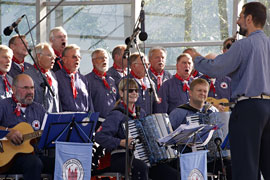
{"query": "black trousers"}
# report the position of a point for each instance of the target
(141, 171)
(249, 135)
(31, 166)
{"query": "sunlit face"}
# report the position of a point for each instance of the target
(132, 95)
(158, 60)
(138, 68)
(199, 93)
(118, 59)
(5, 61)
(101, 61)
(46, 58)
(18, 48)
(72, 59)
(184, 67)
(59, 41)
(24, 90)
(241, 22)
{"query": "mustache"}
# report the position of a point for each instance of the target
(29, 95)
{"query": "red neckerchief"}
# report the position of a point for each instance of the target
(141, 80)
(118, 69)
(103, 77)
(195, 73)
(49, 79)
(59, 55)
(212, 86)
(18, 62)
(72, 81)
(158, 75)
(17, 110)
(4, 77)
(132, 112)
(185, 82)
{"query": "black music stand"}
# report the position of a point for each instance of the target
(67, 126)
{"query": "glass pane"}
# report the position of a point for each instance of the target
(187, 20)
(93, 27)
(11, 11)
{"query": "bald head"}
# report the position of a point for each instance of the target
(23, 88)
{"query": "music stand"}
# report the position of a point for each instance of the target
(67, 126)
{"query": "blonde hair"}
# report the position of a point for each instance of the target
(123, 84)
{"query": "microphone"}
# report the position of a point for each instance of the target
(8, 30)
(143, 35)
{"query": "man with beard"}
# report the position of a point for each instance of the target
(119, 68)
(45, 56)
(5, 65)
(58, 40)
(103, 89)
(157, 59)
(73, 88)
(21, 108)
(174, 91)
(18, 65)
(247, 63)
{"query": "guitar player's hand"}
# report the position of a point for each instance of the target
(15, 136)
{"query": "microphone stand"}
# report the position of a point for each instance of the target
(43, 78)
(129, 40)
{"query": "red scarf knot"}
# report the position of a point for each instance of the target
(118, 69)
(184, 81)
(159, 77)
(72, 82)
(45, 72)
(17, 110)
(18, 62)
(140, 79)
(103, 77)
(132, 112)
(212, 86)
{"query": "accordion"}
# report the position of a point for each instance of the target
(149, 130)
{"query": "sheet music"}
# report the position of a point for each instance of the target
(184, 133)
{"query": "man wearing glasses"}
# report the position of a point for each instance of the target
(17, 109)
(74, 91)
(103, 89)
(247, 62)
(138, 72)
(45, 59)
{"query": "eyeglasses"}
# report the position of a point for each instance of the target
(27, 87)
(50, 56)
(100, 58)
(74, 57)
(132, 90)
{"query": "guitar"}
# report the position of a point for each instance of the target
(9, 150)
(224, 102)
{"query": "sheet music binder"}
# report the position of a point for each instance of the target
(72, 126)
(189, 134)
